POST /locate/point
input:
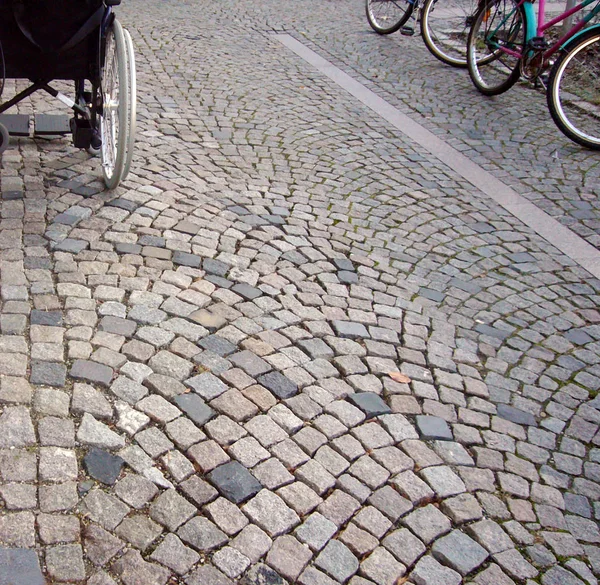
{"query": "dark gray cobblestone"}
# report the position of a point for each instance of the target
(228, 327)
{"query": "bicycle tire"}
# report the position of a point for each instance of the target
(572, 96)
(497, 23)
(385, 22)
(445, 26)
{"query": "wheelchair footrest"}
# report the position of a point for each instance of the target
(16, 124)
(47, 125)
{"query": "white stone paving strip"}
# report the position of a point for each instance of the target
(543, 224)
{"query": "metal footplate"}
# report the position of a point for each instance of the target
(16, 124)
(47, 125)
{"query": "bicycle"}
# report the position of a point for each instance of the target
(444, 24)
(505, 43)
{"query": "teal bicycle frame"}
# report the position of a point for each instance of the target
(537, 32)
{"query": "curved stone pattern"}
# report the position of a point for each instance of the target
(195, 369)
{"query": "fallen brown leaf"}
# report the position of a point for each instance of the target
(399, 377)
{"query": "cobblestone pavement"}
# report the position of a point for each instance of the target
(294, 347)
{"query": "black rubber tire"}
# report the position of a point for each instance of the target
(401, 12)
(445, 26)
(4, 138)
(567, 98)
(493, 71)
(116, 112)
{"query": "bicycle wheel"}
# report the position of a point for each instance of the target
(115, 118)
(445, 26)
(387, 16)
(495, 45)
(574, 90)
(132, 113)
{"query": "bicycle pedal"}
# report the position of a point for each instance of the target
(407, 31)
(538, 43)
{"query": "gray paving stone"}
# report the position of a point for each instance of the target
(230, 561)
(516, 415)
(48, 374)
(249, 362)
(459, 552)
(412, 487)
(91, 372)
(350, 330)
(288, 557)
(337, 561)
(117, 325)
(217, 345)
(252, 542)
(20, 565)
(16, 428)
(208, 575)
(316, 531)
(381, 567)
(490, 535)
(169, 364)
(103, 466)
(428, 523)
(429, 572)
(443, 481)
(171, 510)
(97, 434)
(202, 534)
(135, 490)
(278, 384)
(175, 555)
(185, 259)
(271, 513)
(404, 545)
(372, 520)
(195, 408)
(515, 564)
(207, 385)
(235, 482)
(370, 403)
(71, 245)
(87, 399)
(104, 509)
(132, 568)
(559, 576)
(164, 385)
(139, 531)
(246, 291)
(433, 427)
(215, 267)
(65, 562)
(57, 528)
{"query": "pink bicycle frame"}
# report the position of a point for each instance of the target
(544, 26)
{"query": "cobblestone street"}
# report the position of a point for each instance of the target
(298, 345)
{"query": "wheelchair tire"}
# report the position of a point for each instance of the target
(131, 73)
(115, 116)
(4, 138)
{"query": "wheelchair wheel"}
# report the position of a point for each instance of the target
(131, 73)
(115, 118)
(4, 138)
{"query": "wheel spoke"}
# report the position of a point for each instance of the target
(445, 28)
(387, 16)
(499, 27)
(574, 91)
(114, 119)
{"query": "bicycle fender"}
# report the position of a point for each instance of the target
(583, 31)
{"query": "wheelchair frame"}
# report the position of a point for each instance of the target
(104, 117)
